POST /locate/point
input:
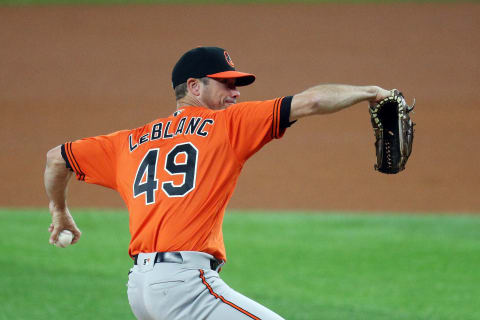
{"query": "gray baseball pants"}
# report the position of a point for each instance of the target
(182, 285)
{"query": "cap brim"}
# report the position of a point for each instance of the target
(241, 78)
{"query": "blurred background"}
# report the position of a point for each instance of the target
(72, 71)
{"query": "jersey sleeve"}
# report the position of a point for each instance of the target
(94, 159)
(250, 125)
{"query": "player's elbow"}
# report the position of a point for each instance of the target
(54, 156)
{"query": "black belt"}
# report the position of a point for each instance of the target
(175, 257)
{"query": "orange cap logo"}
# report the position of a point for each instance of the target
(229, 60)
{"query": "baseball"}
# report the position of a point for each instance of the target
(64, 239)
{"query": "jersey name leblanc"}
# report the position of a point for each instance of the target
(161, 130)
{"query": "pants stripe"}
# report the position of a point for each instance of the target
(202, 276)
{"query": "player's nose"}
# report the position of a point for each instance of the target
(234, 92)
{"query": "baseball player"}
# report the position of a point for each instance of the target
(176, 175)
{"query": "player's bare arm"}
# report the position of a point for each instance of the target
(329, 98)
(56, 178)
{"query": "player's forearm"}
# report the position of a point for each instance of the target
(329, 98)
(56, 178)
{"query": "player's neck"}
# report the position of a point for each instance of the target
(188, 100)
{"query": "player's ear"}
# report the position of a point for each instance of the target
(193, 86)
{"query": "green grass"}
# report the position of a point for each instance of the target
(303, 266)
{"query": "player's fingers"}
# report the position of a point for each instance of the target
(76, 235)
(50, 228)
(382, 94)
(54, 235)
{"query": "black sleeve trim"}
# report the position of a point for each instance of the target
(285, 113)
(64, 156)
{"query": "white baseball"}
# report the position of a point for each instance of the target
(64, 239)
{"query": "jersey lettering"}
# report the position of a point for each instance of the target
(188, 169)
(146, 181)
(200, 131)
(143, 139)
(157, 131)
(180, 126)
(160, 130)
(167, 135)
(132, 147)
(147, 169)
(192, 125)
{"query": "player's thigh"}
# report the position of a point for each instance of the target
(242, 308)
(135, 295)
(233, 305)
(168, 292)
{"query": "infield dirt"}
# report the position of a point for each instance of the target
(68, 72)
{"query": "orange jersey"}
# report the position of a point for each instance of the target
(177, 174)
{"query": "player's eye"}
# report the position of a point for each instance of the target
(230, 83)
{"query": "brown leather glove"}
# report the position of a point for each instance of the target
(393, 131)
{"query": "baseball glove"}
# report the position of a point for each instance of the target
(393, 131)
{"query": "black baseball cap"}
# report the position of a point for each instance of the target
(212, 62)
